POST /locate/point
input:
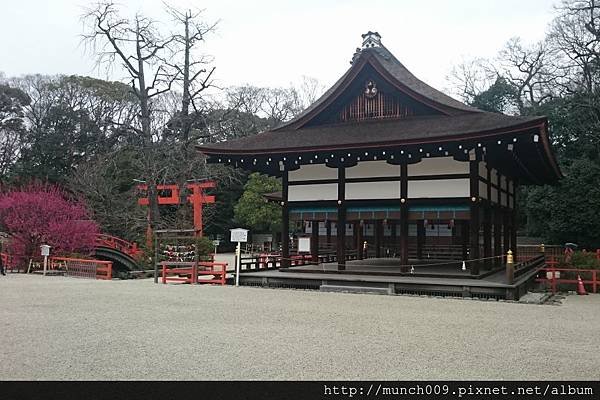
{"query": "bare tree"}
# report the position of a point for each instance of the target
(141, 49)
(530, 70)
(470, 77)
(575, 33)
(193, 73)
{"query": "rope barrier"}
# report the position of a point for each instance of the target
(308, 258)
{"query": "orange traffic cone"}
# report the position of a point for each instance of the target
(580, 288)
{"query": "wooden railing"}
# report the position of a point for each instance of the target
(529, 265)
(119, 244)
(81, 268)
(526, 252)
(191, 272)
(553, 276)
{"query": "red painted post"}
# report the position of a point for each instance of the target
(194, 276)
(164, 274)
(553, 270)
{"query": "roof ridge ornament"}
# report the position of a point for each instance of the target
(371, 39)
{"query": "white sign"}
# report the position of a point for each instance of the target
(216, 242)
(45, 250)
(239, 235)
(304, 245)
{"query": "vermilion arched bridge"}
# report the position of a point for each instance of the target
(124, 255)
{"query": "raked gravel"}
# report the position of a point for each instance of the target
(67, 328)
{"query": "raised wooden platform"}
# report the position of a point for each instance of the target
(437, 283)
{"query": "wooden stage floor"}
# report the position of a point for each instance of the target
(384, 276)
(391, 266)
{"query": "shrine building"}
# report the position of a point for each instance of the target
(385, 167)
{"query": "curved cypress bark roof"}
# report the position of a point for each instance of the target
(441, 119)
(384, 62)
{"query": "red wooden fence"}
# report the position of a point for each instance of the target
(554, 276)
(82, 268)
(189, 272)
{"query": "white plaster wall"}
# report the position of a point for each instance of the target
(369, 169)
(438, 165)
(510, 187)
(439, 188)
(326, 191)
(483, 190)
(373, 190)
(312, 172)
(503, 182)
(494, 193)
(503, 199)
(494, 176)
(511, 203)
(482, 169)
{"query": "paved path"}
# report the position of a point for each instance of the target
(67, 328)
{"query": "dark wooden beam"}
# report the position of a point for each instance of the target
(420, 237)
(513, 223)
(378, 237)
(314, 241)
(403, 214)
(341, 221)
(474, 223)
(285, 218)
(358, 233)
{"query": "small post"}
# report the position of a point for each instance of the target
(45, 249)
(238, 251)
(510, 268)
(240, 236)
(542, 249)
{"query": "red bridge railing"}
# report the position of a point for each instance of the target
(119, 244)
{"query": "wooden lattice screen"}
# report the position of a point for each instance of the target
(380, 106)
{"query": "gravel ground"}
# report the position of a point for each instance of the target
(66, 328)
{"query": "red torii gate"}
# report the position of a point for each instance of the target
(197, 199)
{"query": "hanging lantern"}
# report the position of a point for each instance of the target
(425, 222)
(451, 224)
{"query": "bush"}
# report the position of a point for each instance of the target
(585, 260)
(205, 247)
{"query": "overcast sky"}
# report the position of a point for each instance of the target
(274, 43)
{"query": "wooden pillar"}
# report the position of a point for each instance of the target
(487, 234)
(359, 240)
(285, 218)
(497, 233)
(464, 233)
(341, 222)
(403, 214)
(474, 223)
(314, 241)
(378, 237)
(506, 230)
(328, 232)
(420, 237)
(513, 222)
(394, 234)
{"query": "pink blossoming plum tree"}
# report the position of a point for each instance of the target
(45, 214)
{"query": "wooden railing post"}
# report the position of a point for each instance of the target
(510, 268)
